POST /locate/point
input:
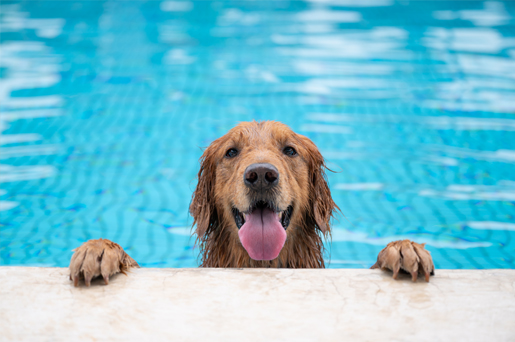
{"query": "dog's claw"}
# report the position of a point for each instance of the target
(87, 278)
(395, 274)
(408, 256)
(99, 258)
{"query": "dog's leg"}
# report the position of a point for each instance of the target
(408, 255)
(99, 258)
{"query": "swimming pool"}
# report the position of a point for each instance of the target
(105, 106)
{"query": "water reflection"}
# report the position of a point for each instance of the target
(103, 105)
(493, 13)
(28, 64)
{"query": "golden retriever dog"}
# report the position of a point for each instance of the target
(262, 200)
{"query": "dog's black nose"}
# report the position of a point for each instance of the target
(261, 177)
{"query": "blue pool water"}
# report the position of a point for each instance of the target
(105, 106)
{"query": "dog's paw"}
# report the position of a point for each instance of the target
(99, 258)
(407, 255)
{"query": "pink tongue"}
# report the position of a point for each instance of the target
(262, 235)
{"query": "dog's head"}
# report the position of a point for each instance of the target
(261, 181)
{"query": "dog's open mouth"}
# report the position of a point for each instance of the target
(284, 216)
(262, 229)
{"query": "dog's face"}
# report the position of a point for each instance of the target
(261, 181)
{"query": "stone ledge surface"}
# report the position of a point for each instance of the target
(40, 304)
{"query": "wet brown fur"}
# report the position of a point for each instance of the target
(302, 184)
(99, 258)
(406, 255)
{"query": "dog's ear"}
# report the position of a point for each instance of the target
(322, 204)
(202, 206)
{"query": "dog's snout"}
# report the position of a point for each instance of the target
(261, 176)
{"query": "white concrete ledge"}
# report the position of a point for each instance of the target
(40, 304)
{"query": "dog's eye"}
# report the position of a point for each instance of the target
(289, 151)
(231, 153)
